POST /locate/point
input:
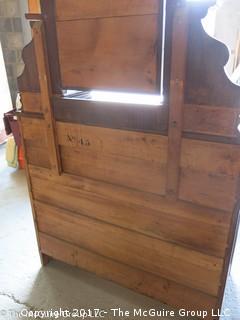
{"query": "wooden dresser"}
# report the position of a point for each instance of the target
(145, 193)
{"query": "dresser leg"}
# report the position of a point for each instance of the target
(44, 259)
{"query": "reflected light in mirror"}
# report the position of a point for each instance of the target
(117, 97)
(132, 98)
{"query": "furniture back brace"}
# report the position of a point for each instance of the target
(143, 194)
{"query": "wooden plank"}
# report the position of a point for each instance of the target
(212, 138)
(173, 227)
(134, 145)
(48, 9)
(44, 258)
(132, 159)
(206, 79)
(46, 91)
(211, 157)
(106, 61)
(31, 102)
(207, 170)
(133, 173)
(35, 139)
(37, 156)
(134, 197)
(211, 120)
(196, 270)
(143, 118)
(208, 189)
(232, 241)
(34, 130)
(159, 288)
(82, 9)
(177, 81)
(28, 81)
(34, 6)
(169, 10)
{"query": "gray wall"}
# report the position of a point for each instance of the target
(13, 34)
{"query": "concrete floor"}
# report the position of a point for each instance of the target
(25, 285)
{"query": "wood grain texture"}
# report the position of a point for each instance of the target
(28, 81)
(46, 92)
(34, 130)
(108, 211)
(207, 170)
(206, 80)
(211, 120)
(163, 223)
(131, 159)
(117, 55)
(28, 179)
(115, 169)
(83, 9)
(48, 9)
(159, 288)
(147, 200)
(34, 6)
(232, 242)
(194, 269)
(153, 119)
(35, 141)
(176, 98)
(31, 102)
(116, 142)
(37, 156)
(166, 68)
